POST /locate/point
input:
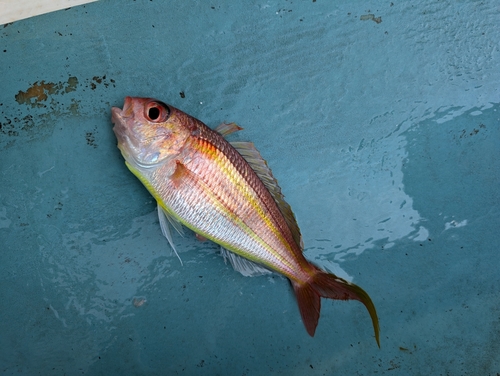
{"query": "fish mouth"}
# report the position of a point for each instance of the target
(120, 118)
(118, 115)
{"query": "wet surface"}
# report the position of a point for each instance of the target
(383, 136)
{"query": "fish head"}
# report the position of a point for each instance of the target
(148, 131)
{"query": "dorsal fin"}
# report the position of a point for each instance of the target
(259, 165)
(227, 128)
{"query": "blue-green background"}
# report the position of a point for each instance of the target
(384, 136)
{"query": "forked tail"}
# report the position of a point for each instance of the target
(323, 284)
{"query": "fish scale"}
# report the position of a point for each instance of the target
(226, 193)
(253, 210)
(205, 211)
(213, 169)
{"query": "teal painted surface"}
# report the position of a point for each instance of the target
(383, 136)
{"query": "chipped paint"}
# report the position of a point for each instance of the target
(40, 91)
(47, 101)
(368, 17)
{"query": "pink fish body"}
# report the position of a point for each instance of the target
(226, 193)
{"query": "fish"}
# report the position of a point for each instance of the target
(224, 192)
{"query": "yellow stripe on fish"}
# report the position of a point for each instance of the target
(249, 198)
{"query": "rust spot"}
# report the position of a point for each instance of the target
(97, 80)
(72, 82)
(73, 107)
(40, 91)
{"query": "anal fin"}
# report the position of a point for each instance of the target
(242, 265)
(200, 238)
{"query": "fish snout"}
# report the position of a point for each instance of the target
(117, 114)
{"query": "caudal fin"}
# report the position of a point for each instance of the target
(330, 286)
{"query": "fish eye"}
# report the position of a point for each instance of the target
(157, 111)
